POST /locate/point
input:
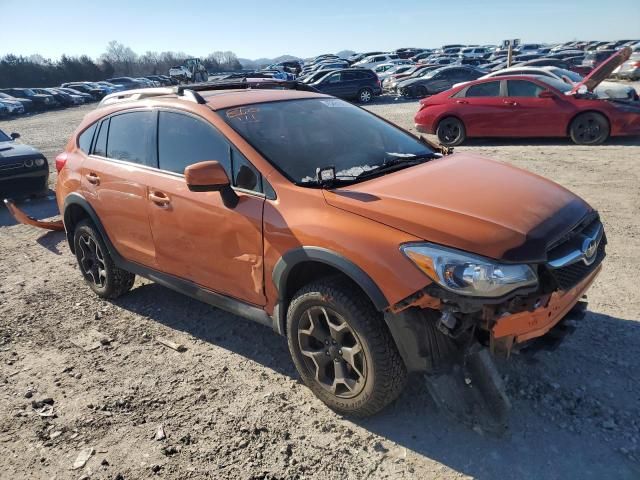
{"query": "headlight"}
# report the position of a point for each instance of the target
(39, 162)
(28, 163)
(467, 274)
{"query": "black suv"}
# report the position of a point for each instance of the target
(350, 83)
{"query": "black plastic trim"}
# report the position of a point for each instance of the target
(183, 286)
(290, 259)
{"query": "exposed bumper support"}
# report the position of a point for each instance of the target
(22, 217)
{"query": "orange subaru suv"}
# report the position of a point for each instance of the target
(375, 252)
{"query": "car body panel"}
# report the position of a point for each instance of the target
(483, 223)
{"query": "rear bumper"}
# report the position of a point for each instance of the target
(520, 327)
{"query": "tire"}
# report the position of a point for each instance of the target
(96, 265)
(589, 128)
(451, 132)
(421, 91)
(373, 371)
(365, 95)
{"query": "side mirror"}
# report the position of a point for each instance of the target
(546, 94)
(15, 135)
(211, 177)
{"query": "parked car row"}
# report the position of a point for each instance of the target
(20, 100)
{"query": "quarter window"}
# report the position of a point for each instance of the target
(132, 138)
(489, 89)
(184, 140)
(84, 140)
(245, 175)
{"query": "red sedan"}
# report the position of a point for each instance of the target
(529, 106)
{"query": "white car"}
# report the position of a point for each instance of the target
(385, 73)
(13, 107)
(474, 52)
(373, 61)
(527, 48)
(603, 90)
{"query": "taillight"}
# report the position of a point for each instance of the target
(636, 64)
(61, 160)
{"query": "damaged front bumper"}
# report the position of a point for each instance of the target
(25, 219)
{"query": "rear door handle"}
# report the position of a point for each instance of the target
(159, 199)
(510, 102)
(92, 178)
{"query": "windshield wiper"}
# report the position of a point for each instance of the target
(397, 163)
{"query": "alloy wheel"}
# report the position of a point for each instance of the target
(333, 353)
(588, 129)
(450, 131)
(92, 260)
(365, 96)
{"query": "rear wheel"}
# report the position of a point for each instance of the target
(97, 266)
(342, 348)
(589, 128)
(451, 132)
(365, 95)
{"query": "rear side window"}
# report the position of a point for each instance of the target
(184, 140)
(522, 88)
(84, 140)
(132, 138)
(100, 147)
(489, 89)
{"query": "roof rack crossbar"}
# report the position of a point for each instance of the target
(244, 83)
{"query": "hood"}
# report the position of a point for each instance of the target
(13, 149)
(469, 203)
(405, 82)
(602, 71)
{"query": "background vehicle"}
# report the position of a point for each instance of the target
(11, 106)
(25, 102)
(40, 101)
(374, 60)
(352, 83)
(23, 169)
(526, 106)
(192, 71)
(127, 82)
(96, 93)
(437, 81)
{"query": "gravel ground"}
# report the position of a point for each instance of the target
(231, 405)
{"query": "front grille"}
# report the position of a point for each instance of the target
(568, 276)
(11, 166)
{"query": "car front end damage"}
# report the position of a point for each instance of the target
(511, 320)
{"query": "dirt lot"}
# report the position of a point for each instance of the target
(232, 406)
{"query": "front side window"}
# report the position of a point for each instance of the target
(523, 88)
(299, 136)
(132, 138)
(184, 140)
(488, 89)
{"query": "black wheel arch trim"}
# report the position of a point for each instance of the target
(296, 256)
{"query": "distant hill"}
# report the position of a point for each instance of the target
(263, 62)
(248, 64)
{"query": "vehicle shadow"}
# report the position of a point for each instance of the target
(535, 448)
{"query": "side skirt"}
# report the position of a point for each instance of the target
(193, 290)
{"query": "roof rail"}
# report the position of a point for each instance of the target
(246, 83)
(143, 93)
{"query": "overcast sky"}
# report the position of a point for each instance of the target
(255, 29)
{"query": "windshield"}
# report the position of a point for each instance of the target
(300, 136)
(557, 84)
(4, 137)
(573, 76)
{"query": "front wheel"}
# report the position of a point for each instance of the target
(365, 95)
(97, 266)
(589, 128)
(451, 132)
(342, 348)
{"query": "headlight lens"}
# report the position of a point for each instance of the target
(39, 162)
(28, 163)
(467, 274)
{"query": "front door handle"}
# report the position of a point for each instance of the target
(464, 102)
(92, 178)
(159, 199)
(510, 102)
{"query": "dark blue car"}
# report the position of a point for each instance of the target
(350, 83)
